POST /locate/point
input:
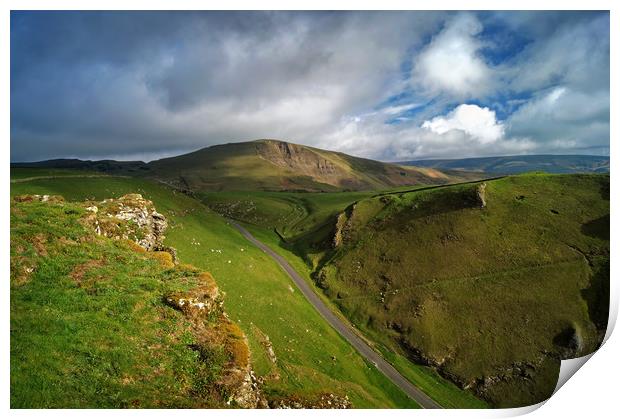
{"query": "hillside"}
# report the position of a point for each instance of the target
(268, 165)
(297, 357)
(491, 284)
(278, 165)
(103, 316)
(507, 165)
(105, 166)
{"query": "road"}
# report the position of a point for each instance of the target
(343, 328)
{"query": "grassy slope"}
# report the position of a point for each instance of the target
(492, 286)
(262, 165)
(290, 213)
(441, 390)
(306, 221)
(497, 250)
(25, 173)
(88, 325)
(258, 295)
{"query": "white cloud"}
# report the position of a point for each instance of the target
(451, 63)
(395, 110)
(467, 131)
(479, 123)
(562, 119)
(311, 78)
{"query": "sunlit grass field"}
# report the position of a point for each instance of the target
(311, 357)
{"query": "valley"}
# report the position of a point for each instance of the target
(237, 211)
(309, 356)
(464, 258)
(418, 272)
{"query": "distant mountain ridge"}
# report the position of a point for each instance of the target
(508, 165)
(271, 165)
(113, 166)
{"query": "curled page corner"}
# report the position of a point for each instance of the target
(568, 368)
(518, 411)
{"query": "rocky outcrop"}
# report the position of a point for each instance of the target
(481, 192)
(343, 226)
(198, 301)
(129, 217)
(340, 224)
(305, 161)
(297, 157)
(212, 329)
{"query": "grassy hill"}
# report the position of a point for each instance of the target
(104, 166)
(267, 165)
(491, 285)
(520, 164)
(89, 324)
(273, 165)
(293, 351)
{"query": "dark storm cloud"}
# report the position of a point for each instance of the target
(148, 84)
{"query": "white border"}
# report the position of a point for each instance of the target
(590, 393)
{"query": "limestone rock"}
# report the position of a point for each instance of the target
(129, 217)
(481, 191)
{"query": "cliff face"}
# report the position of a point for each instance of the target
(305, 162)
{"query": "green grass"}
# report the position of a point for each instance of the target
(24, 173)
(428, 268)
(271, 165)
(258, 295)
(291, 213)
(447, 394)
(305, 221)
(88, 325)
(481, 292)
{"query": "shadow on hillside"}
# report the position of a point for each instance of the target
(597, 228)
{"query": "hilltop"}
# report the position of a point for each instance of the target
(520, 164)
(268, 165)
(274, 165)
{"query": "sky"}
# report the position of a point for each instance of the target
(391, 86)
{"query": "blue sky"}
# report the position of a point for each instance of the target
(384, 85)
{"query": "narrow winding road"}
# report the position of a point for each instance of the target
(344, 329)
